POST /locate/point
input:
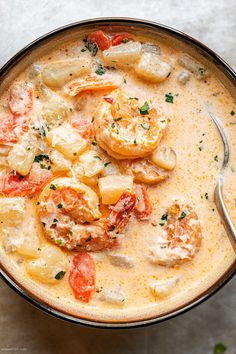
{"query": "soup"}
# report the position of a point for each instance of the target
(109, 159)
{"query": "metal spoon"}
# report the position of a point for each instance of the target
(218, 194)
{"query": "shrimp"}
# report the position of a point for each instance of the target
(90, 83)
(83, 126)
(181, 238)
(143, 208)
(144, 171)
(20, 103)
(14, 185)
(70, 214)
(126, 131)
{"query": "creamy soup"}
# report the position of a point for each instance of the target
(109, 160)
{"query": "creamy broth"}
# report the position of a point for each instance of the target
(122, 292)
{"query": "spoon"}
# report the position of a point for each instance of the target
(218, 194)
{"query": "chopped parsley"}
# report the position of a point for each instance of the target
(55, 220)
(40, 158)
(169, 98)
(145, 126)
(183, 215)
(107, 163)
(206, 195)
(219, 348)
(44, 167)
(60, 275)
(71, 233)
(200, 148)
(133, 98)
(92, 47)
(59, 206)
(161, 223)
(117, 119)
(201, 71)
(53, 187)
(60, 242)
(216, 158)
(97, 157)
(113, 125)
(164, 216)
(135, 142)
(232, 113)
(125, 82)
(88, 239)
(144, 109)
(94, 143)
(100, 69)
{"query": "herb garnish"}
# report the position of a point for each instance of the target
(40, 158)
(145, 126)
(92, 47)
(183, 215)
(107, 163)
(135, 141)
(59, 206)
(113, 125)
(97, 157)
(232, 113)
(219, 348)
(169, 98)
(53, 187)
(100, 69)
(216, 158)
(117, 119)
(206, 195)
(60, 275)
(144, 109)
(164, 216)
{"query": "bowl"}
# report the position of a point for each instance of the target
(24, 57)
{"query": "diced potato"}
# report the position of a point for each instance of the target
(151, 48)
(67, 140)
(191, 64)
(164, 157)
(50, 266)
(77, 171)
(121, 260)
(183, 77)
(161, 288)
(59, 163)
(55, 110)
(24, 241)
(110, 168)
(22, 154)
(92, 163)
(114, 296)
(150, 67)
(111, 187)
(11, 210)
(125, 54)
(57, 74)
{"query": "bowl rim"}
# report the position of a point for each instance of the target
(224, 278)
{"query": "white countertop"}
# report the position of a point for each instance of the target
(26, 329)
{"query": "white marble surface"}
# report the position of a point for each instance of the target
(25, 329)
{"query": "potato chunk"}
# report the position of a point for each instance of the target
(67, 140)
(111, 187)
(124, 54)
(114, 296)
(164, 157)
(92, 163)
(55, 110)
(11, 210)
(24, 241)
(57, 74)
(162, 288)
(59, 163)
(21, 156)
(150, 67)
(50, 267)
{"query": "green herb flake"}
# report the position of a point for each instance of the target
(201, 71)
(55, 220)
(135, 142)
(71, 233)
(232, 113)
(161, 223)
(107, 163)
(169, 98)
(145, 126)
(100, 70)
(216, 158)
(162, 121)
(117, 119)
(113, 125)
(92, 47)
(59, 206)
(60, 275)
(144, 109)
(164, 216)
(183, 215)
(53, 187)
(206, 196)
(97, 157)
(125, 81)
(200, 148)
(40, 158)
(83, 50)
(133, 98)
(219, 348)
(94, 143)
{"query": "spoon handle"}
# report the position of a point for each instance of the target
(223, 212)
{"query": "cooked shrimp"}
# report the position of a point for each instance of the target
(181, 237)
(90, 83)
(143, 208)
(13, 184)
(126, 131)
(144, 171)
(20, 98)
(70, 214)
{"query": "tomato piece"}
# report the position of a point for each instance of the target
(20, 98)
(100, 38)
(82, 276)
(108, 99)
(143, 208)
(122, 38)
(84, 127)
(14, 185)
(121, 212)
